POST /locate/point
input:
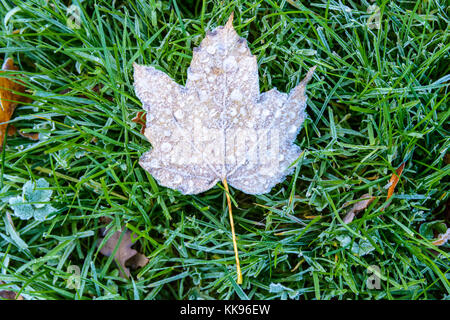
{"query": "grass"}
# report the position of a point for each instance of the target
(379, 98)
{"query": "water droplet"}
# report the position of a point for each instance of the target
(230, 64)
(194, 76)
(154, 163)
(211, 49)
(236, 95)
(166, 147)
(179, 114)
(178, 179)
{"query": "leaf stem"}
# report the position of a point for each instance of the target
(236, 254)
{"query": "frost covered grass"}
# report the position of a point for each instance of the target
(379, 98)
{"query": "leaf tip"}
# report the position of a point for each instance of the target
(229, 23)
(136, 66)
(309, 75)
(8, 64)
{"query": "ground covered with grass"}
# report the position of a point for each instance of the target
(378, 99)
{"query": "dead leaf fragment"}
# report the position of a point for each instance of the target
(219, 126)
(447, 158)
(30, 135)
(363, 202)
(394, 180)
(141, 118)
(9, 97)
(11, 130)
(137, 261)
(442, 238)
(124, 252)
(9, 295)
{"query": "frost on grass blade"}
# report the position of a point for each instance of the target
(219, 126)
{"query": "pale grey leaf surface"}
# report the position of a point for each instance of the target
(219, 126)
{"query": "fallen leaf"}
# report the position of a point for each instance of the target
(137, 261)
(9, 295)
(363, 202)
(393, 182)
(141, 119)
(104, 220)
(30, 135)
(218, 127)
(442, 238)
(447, 158)
(11, 130)
(9, 97)
(125, 255)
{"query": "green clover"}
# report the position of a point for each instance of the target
(33, 203)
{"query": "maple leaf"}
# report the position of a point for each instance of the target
(218, 127)
(9, 97)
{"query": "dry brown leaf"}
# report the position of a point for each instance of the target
(30, 135)
(124, 252)
(9, 97)
(442, 238)
(137, 261)
(447, 158)
(394, 180)
(141, 118)
(9, 295)
(363, 202)
(11, 130)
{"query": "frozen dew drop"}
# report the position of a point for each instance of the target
(211, 49)
(178, 179)
(166, 147)
(179, 114)
(229, 64)
(236, 95)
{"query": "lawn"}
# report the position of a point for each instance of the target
(378, 100)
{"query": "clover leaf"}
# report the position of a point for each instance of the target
(33, 203)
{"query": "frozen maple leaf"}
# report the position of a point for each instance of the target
(218, 126)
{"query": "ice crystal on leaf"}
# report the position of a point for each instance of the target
(218, 126)
(33, 201)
